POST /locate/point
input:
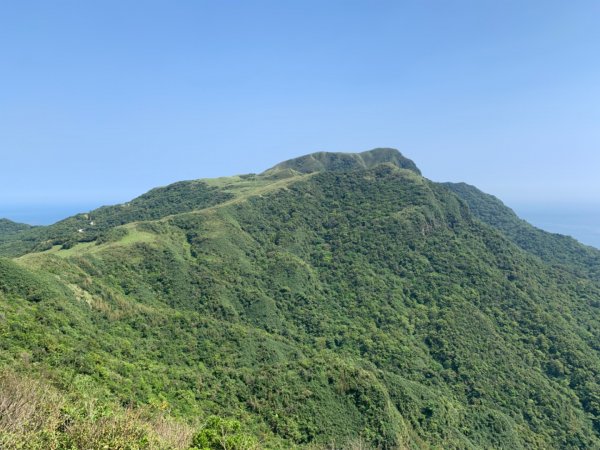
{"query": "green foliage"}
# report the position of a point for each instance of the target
(555, 249)
(10, 236)
(18, 282)
(9, 227)
(34, 415)
(111, 235)
(353, 304)
(223, 434)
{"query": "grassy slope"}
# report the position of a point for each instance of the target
(88, 227)
(329, 307)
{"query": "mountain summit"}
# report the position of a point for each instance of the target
(343, 162)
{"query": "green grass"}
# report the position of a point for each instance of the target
(132, 236)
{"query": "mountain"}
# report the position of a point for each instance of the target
(8, 226)
(333, 301)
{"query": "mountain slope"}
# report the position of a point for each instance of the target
(555, 249)
(10, 227)
(365, 305)
(87, 227)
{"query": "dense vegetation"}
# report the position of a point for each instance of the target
(328, 305)
(554, 249)
(10, 227)
(10, 236)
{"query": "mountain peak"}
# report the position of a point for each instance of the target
(343, 162)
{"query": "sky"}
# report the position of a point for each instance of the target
(101, 101)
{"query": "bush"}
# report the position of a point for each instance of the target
(35, 415)
(223, 434)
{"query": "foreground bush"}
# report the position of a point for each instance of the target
(223, 434)
(35, 415)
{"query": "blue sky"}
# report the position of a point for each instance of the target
(100, 101)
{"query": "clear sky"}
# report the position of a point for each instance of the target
(100, 101)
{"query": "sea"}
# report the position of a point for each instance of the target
(42, 214)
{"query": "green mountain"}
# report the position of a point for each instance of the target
(9, 227)
(333, 301)
(11, 235)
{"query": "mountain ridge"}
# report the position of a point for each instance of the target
(199, 193)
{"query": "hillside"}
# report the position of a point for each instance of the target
(10, 227)
(554, 249)
(333, 301)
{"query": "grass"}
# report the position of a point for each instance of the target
(133, 236)
(35, 415)
(243, 188)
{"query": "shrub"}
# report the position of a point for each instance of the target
(223, 434)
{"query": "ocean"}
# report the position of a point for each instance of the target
(42, 214)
